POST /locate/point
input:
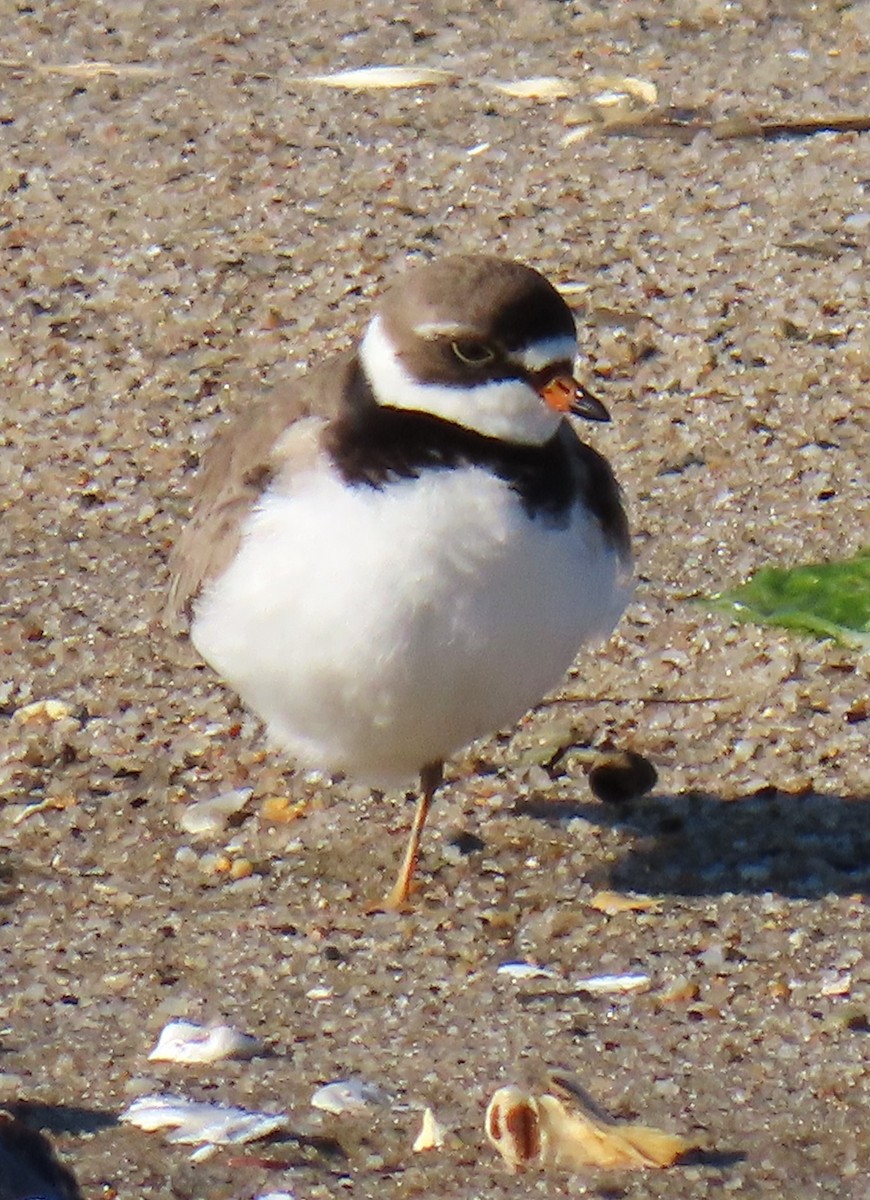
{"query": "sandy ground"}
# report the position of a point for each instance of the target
(176, 240)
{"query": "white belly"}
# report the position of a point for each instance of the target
(376, 631)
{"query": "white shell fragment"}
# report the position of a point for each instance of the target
(210, 817)
(376, 78)
(195, 1123)
(578, 133)
(187, 1042)
(617, 88)
(525, 970)
(541, 87)
(349, 1096)
(319, 993)
(85, 70)
(431, 1135)
(602, 984)
(42, 710)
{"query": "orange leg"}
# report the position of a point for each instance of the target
(400, 893)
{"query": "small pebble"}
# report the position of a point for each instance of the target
(209, 817)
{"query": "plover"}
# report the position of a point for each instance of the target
(404, 550)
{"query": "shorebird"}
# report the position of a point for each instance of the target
(404, 550)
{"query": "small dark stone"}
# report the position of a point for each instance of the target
(467, 843)
(858, 1022)
(621, 776)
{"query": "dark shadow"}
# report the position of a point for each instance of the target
(59, 1118)
(8, 888)
(800, 846)
(29, 1165)
(720, 1159)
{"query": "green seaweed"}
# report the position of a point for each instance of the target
(826, 600)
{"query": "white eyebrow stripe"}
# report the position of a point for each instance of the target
(551, 350)
(429, 330)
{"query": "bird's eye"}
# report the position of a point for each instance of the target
(473, 354)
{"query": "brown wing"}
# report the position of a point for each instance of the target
(600, 491)
(246, 454)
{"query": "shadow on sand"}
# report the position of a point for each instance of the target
(800, 846)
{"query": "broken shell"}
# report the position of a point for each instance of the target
(42, 710)
(513, 1127)
(195, 1123)
(641, 89)
(611, 903)
(282, 809)
(55, 803)
(541, 87)
(617, 88)
(349, 1096)
(617, 984)
(209, 817)
(319, 993)
(187, 1042)
(525, 970)
(679, 990)
(543, 1131)
(373, 78)
(431, 1135)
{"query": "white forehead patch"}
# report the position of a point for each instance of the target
(507, 409)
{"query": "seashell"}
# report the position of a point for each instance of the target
(541, 87)
(196, 1123)
(611, 903)
(579, 133)
(187, 1042)
(210, 817)
(617, 88)
(349, 1096)
(641, 89)
(545, 1131)
(86, 70)
(513, 1126)
(525, 970)
(50, 803)
(431, 1135)
(835, 984)
(319, 993)
(383, 77)
(609, 98)
(618, 984)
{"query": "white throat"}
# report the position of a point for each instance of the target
(506, 409)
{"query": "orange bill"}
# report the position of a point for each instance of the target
(564, 394)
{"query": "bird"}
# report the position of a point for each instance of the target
(402, 550)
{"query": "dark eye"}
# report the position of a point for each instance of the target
(473, 354)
